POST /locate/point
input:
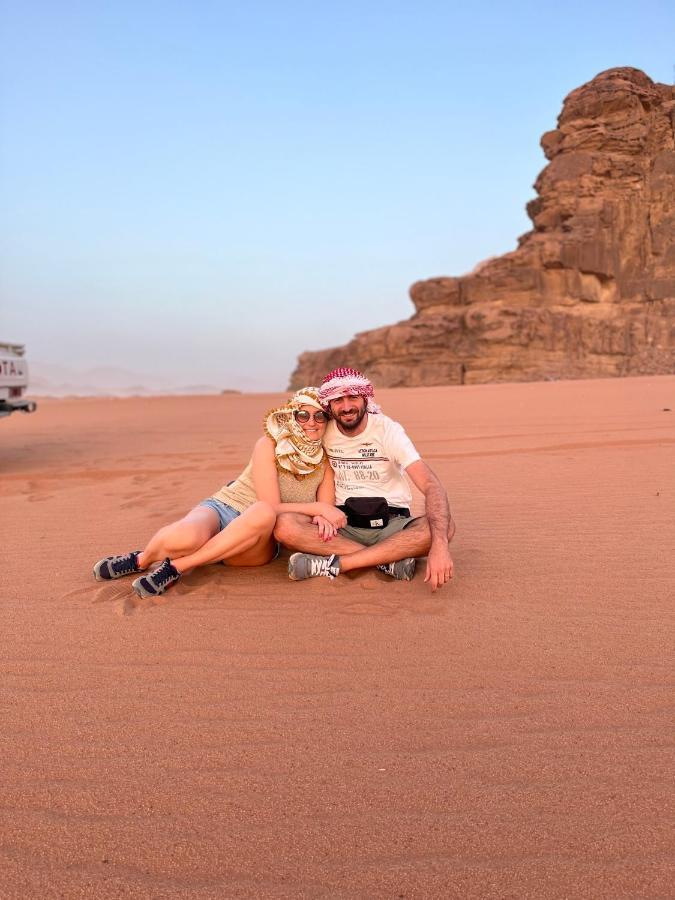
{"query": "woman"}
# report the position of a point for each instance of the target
(288, 472)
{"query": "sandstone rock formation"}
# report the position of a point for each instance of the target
(589, 292)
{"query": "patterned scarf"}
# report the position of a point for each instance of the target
(293, 450)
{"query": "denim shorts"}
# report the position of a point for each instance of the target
(225, 513)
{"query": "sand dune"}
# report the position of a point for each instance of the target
(509, 736)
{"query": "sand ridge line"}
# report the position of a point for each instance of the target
(509, 435)
(119, 878)
(555, 448)
(43, 487)
(95, 474)
(394, 600)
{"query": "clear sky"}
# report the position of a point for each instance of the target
(203, 190)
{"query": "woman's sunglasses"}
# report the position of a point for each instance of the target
(302, 416)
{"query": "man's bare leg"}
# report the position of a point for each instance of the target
(296, 532)
(414, 540)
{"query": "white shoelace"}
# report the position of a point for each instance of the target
(321, 565)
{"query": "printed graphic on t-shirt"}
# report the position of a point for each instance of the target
(371, 464)
(356, 468)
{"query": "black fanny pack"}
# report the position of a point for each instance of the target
(371, 512)
(366, 512)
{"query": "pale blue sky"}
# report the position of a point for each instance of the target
(202, 191)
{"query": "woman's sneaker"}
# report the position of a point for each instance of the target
(158, 581)
(115, 566)
(401, 570)
(309, 565)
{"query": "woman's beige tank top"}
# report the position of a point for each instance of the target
(240, 494)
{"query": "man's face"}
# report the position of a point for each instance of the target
(348, 411)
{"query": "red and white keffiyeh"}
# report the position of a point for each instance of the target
(345, 382)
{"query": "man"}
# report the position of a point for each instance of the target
(369, 453)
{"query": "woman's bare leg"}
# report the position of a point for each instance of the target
(181, 537)
(246, 541)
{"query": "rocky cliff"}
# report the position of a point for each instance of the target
(589, 292)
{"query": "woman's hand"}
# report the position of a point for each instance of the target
(333, 515)
(326, 531)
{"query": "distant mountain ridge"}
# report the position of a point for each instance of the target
(48, 380)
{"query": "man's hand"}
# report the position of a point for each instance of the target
(327, 531)
(333, 515)
(439, 567)
(439, 561)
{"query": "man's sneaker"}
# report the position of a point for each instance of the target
(402, 569)
(158, 581)
(115, 566)
(308, 565)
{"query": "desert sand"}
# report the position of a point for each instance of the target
(508, 736)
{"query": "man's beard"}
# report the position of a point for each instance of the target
(353, 425)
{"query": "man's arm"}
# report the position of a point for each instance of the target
(439, 561)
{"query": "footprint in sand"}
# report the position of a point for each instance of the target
(391, 600)
(131, 603)
(133, 501)
(391, 608)
(98, 593)
(36, 492)
(118, 595)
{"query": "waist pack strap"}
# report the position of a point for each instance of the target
(399, 511)
(393, 511)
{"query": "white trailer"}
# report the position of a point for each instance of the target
(13, 380)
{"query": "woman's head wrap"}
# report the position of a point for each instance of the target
(343, 382)
(294, 451)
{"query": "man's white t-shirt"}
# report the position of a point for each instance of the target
(372, 463)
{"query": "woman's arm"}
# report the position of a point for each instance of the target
(266, 481)
(326, 494)
(326, 491)
(265, 478)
